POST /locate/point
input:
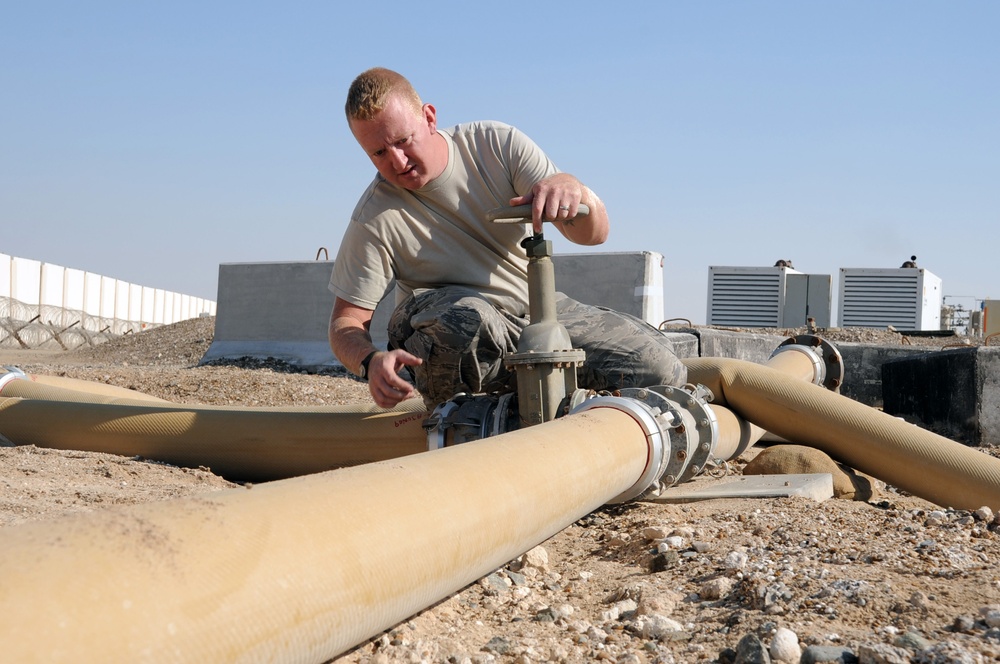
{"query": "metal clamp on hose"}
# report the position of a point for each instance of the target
(827, 360)
(647, 418)
(11, 373)
(469, 417)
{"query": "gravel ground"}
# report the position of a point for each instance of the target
(893, 579)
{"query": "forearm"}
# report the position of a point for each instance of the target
(350, 341)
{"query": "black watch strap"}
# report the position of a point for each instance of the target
(364, 364)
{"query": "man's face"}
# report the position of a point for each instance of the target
(403, 143)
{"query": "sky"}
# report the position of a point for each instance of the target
(152, 142)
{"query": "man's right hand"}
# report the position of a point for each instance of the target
(387, 387)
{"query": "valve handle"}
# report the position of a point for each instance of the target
(520, 214)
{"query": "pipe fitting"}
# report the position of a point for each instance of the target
(693, 431)
(829, 371)
(10, 374)
(654, 423)
(467, 417)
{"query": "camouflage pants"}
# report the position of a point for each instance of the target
(462, 339)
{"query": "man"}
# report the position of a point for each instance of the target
(463, 279)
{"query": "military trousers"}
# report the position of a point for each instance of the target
(463, 339)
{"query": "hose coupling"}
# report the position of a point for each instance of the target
(654, 424)
(9, 374)
(828, 364)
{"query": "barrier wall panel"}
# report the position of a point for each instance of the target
(51, 282)
(168, 306)
(73, 289)
(134, 303)
(25, 280)
(5, 268)
(62, 303)
(109, 296)
(147, 304)
(121, 300)
(159, 297)
(92, 294)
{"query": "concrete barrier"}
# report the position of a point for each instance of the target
(953, 392)
(282, 310)
(274, 310)
(863, 369)
(748, 346)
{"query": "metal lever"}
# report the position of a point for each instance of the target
(519, 213)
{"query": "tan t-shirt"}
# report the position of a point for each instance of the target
(438, 235)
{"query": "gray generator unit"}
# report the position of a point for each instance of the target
(767, 297)
(908, 298)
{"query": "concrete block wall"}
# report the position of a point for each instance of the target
(279, 310)
(282, 310)
(45, 305)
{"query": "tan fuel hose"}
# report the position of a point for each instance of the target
(904, 455)
(736, 434)
(241, 444)
(302, 570)
(92, 387)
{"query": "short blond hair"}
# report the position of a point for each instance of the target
(371, 90)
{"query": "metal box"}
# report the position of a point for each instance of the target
(908, 298)
(767, 297)
(991, 317)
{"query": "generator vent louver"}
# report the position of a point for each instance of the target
(905, 298)
(745, 299)
(778, 296)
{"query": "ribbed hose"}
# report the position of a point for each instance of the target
(245, 444)
(903, 455)
(92, 387)
(301, 570)
(736, 434)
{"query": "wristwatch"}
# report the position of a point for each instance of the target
(363, 375)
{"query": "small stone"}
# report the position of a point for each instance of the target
(991, 615)
(911, 640)
(498, 645)
(785, 646)
(750, 650)
(663, 561)
(736, 560)
(546, 615)
(881, 653)
(828, 655)
(517, 579)
(659, 603)
(658, 627)
(654, 533)
(626, 607)
(536, 558)
(963, 624)
(716, 588)
(952, 653)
